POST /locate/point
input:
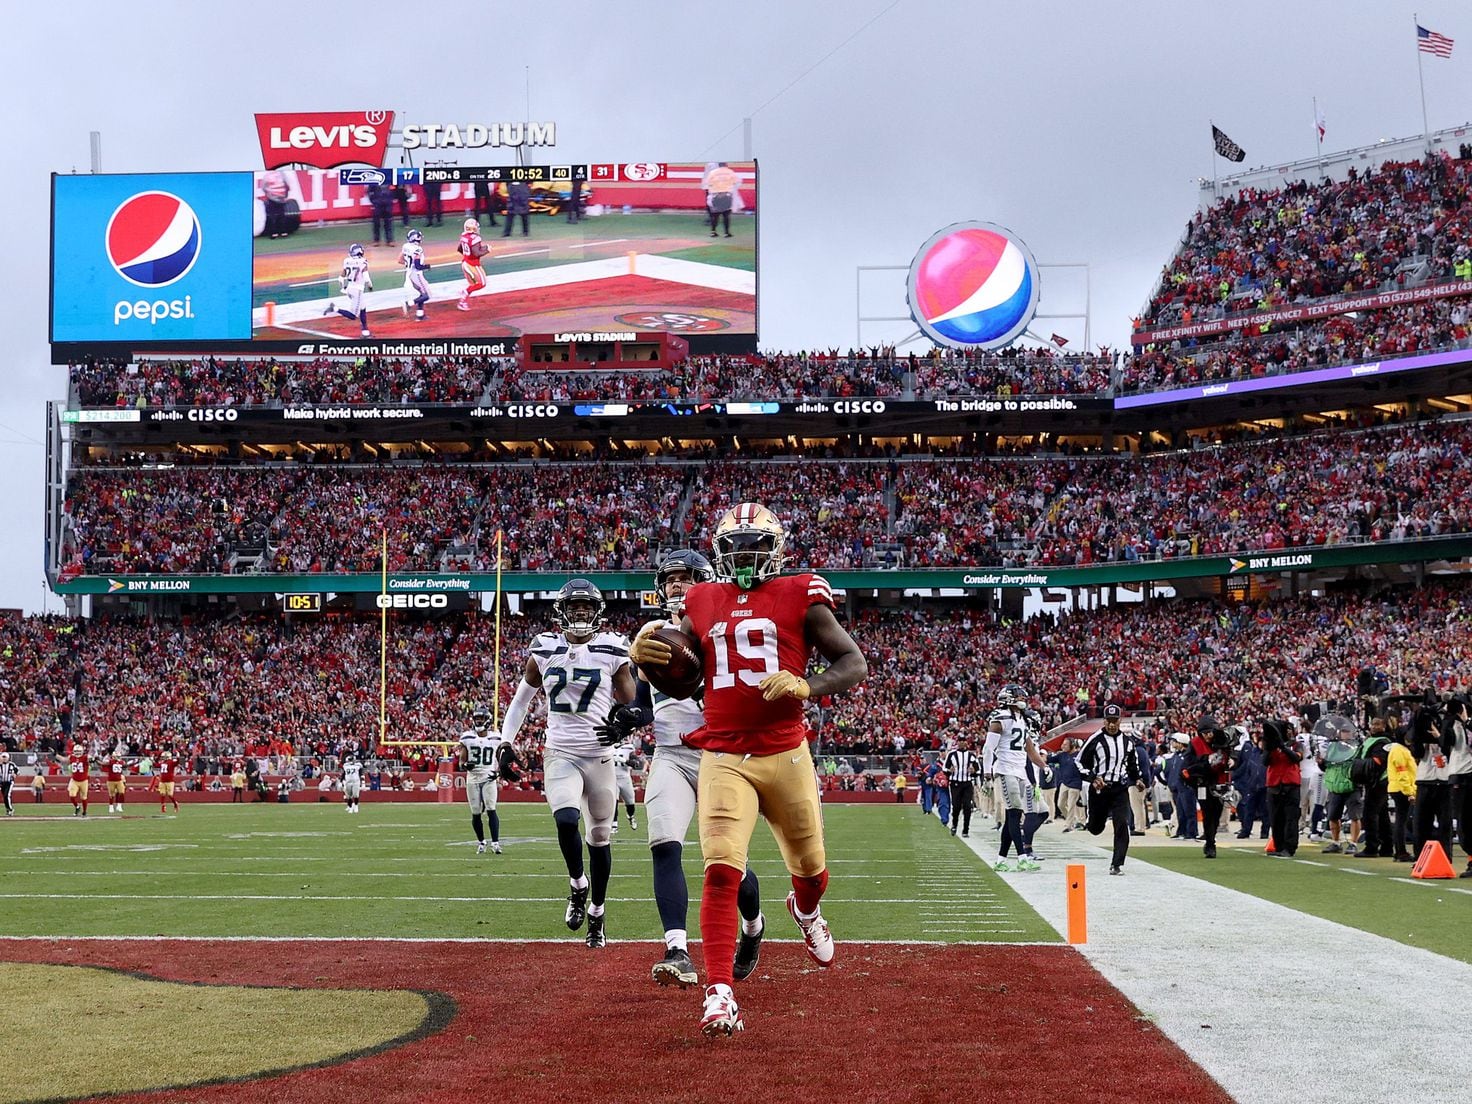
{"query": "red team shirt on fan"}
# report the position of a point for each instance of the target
(79, 763)
(747, 635)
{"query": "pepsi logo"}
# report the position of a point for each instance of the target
(153, 239)
(973, 285)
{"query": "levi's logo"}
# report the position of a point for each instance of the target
(324, 139)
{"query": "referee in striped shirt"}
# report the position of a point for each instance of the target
(7, 779)
(963, 765)
(1110, 767)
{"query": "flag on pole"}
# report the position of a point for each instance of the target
(1319, 121)
(1429, 42)
(1225, 146)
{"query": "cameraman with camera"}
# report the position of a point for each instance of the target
(1431, 744)
(1209, 772)
(1284, 783)
(1460, 764)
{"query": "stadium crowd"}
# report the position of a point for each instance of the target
(263, 685)
(1385, 484)
(331, 518)
(878, 372)
(1404, 224)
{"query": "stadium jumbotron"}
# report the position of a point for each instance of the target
(478, 621)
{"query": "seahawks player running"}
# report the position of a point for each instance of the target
(584, 674)
(622, 753)
(1007, 752)
(354, 281)
(416, 283)
(485, 757)
(670, 795)
(352, 782)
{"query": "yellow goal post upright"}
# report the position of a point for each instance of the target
(383, 604)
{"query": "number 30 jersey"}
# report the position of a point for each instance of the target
(578, 682)
(747, 635)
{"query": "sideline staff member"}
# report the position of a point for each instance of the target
(1110, 766)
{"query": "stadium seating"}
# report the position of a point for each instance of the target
(1403, 225)
(311, 687)
(1385, 484)
(215, 381)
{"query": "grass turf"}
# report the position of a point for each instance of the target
(129, 1029)
(399, 870)
(1360, 893)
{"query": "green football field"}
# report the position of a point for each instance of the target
(410, 870)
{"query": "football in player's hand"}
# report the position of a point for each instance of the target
(683, 675)
(481, 249)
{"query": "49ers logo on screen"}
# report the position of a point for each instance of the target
(324, 139)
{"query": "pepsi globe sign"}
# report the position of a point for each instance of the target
(973, 285)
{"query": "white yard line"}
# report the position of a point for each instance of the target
(1288, 997)
(572, 941)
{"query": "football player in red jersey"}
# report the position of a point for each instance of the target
(756, 629)
(117, 779)
(165, 772)
(78, 766)
(471, 250)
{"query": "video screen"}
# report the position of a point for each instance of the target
(642, 246)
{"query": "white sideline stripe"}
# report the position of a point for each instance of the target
(372, 897)
(1361, 873)
(572, 941)
(391, 294)
(1188, 952)
(1436, 882)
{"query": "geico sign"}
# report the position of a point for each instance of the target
(859, 406)
(223, 414)
(535, 410)
(413, 601)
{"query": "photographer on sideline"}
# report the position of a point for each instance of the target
(1432, 746)
(1209, 772)
(1460, 765)
(1284, 784)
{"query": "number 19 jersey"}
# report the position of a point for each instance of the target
(578, 682)
(747, 635)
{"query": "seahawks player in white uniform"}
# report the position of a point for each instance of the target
(584, 674)
(486, 759)
(416, 283)
(353, 281)
(624, 776)
(669, 796)
(1005, 755)
(352, 782)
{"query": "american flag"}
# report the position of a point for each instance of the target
(1429, 42)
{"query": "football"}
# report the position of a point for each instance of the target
(683, 675)
(481, 249)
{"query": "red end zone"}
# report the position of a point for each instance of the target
(553, 1023)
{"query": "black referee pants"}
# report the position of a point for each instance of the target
(5, 790)
(1112, 803)
(963, 800)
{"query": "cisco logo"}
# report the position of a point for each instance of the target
(153, 239)
(859, 406)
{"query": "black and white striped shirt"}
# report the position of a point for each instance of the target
(963, 765)
(1109, 758)
(7, 772)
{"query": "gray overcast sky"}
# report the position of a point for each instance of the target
(1082, 126)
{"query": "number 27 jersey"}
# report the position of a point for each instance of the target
(747, 635)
